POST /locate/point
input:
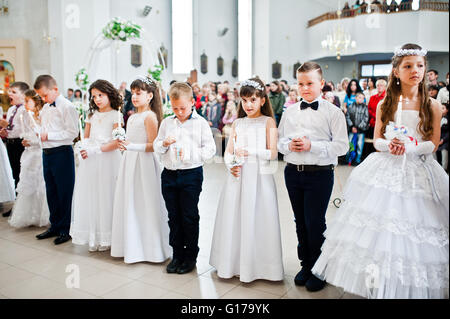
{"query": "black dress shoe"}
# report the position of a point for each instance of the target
(314, 284)
(186, 266)
(173, 266)
(47, 234)
(7, 214)
(62, 239)
(302, 277)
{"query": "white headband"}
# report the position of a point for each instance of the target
(403, 52)
(145, 79)
(252, 83)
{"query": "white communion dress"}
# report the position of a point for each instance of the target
(7, 193)
(247, 239)
(140, 219)
(95, 184)
(389, 238)
(30, 208)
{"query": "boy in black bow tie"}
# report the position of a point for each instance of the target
(312, 134)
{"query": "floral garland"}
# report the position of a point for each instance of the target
(82, 79)
(156, 72)
(118, 29)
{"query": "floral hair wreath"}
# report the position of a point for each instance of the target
(252, 83)
(404, 52)
(146, 79)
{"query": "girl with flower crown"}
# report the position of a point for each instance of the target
(247, 239)
(389, 238)
(140, 230)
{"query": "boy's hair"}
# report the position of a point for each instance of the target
(22, 86)
(44, 81)
(38, 102)
(434, 71)
(326, 88)
(359, 93)
(69, 89)
(179, 89)
(310, 66)
(433, 87)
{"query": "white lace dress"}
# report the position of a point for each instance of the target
(140, 229)
(30, 208)
(95, 183)
(7, 193)
(389, 238)
(247, 239)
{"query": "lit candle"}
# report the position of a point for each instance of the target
(399, 112)
(234, 143)
(119, 122)
(81, 129)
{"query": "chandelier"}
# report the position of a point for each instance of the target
(338, 40)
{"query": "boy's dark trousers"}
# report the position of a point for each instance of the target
(181, 191)
(59, 176)
(309, 193)
(15, 149)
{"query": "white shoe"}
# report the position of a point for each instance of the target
(93, 248)
(104, 248)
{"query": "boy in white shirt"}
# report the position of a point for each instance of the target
(12, 132)
(185, 142)
(312, 134)
(59, 127)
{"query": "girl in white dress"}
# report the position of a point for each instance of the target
(7, 193)
(95, 182)
(140, 221)
(389, 239)
(247, 239)
(31, 208)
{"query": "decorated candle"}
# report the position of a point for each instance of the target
(81, 129)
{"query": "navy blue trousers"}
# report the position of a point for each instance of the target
(181, 191)
(309, 193)
(59, 176)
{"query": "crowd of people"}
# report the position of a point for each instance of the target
(136, 189)
(362, 6)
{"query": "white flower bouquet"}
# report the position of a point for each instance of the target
(118, 29)
(119, 134)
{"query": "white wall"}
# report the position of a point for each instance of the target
(209, 17)
(27, 19)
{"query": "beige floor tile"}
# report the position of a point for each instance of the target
(241, 292)
(173, 295)
(136, 290)
(67, 293)
(348, 295)
(278, 288)
(57, 268)
(102, 283)
(213, 275)
(164, 280)
(136, 270)
(205, 288)
(14, 254)
(329, 292)
(33, 287)
(3, 266)
(11, 276)
(3, 297)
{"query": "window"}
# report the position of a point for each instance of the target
(182, 36)
(375, 68)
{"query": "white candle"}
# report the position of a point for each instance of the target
(23, 126)
(81, 129)
(399, 112)
(33, 121)
(234, 143)
(119, 122)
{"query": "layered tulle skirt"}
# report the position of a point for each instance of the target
(389, 238)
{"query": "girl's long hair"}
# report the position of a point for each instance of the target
(107, 88)
(38, 102)
(249, 91)
(155, 102)
(393, 91)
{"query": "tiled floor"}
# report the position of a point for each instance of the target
(38, 269)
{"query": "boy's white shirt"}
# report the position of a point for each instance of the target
(17, 128)
(59, 122)
(194, 137)
(325, 127)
